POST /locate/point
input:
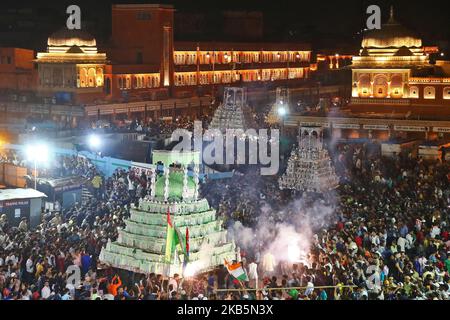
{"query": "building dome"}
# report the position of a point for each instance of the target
(391, 35)
(70, 38)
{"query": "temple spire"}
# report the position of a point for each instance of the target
(391, 16)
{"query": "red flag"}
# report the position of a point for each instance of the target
(187, 240)
(169, 222)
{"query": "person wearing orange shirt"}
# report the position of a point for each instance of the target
(114, 286)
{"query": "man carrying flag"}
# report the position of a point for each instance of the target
(174, 238)
(237, 271)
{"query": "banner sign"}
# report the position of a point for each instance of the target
(346, 126)
(410, 128)
(441, 129)
(376, 127)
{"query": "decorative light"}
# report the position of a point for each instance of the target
(94, 141)
(38, 153)
(282, 111)
(297, 55)
(207, 55)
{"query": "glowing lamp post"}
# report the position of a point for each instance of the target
(282, 111)
(37, 153)
(94, 142)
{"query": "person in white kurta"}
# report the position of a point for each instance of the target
(268, 264)
(253, 274)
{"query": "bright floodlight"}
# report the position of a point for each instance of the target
(94, 141)
(281, 111)
(37, 152)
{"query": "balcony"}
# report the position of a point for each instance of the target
(383, 101)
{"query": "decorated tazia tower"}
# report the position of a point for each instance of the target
(309, 167)
(172, 229)
(231, 114)
(281, 106)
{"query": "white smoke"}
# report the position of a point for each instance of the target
(205, 253)
(288, 233)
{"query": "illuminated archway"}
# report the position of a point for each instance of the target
(414, 92)
(364, 86)
(380, 86)
(91, 77)
(396, 86)
(83, 77)
(446, 93)
(429, 93)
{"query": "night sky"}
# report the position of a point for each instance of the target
(325, 23)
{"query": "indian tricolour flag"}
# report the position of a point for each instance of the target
(236, 270)
(172, 239)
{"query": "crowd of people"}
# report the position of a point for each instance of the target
(388, 239)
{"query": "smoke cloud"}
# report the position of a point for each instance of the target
(288, 233)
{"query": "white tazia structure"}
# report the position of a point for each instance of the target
(309, 166)
(230, 114)
(141, 245)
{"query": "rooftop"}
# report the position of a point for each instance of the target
(18, 194)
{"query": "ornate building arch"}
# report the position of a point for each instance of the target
(100, 77)
(446, 93)
(83, 77)
(429, 93)
(396, 87)
(364, 85)
(91, 78)
(380, 86)
(414, 92)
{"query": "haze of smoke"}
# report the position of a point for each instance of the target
(294, 225)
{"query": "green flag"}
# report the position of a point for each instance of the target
(172, 239)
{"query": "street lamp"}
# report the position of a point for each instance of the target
(282, 112)
(95, 142)
(37, 153)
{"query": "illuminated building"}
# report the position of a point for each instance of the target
(71, 66)
(142, 72)
(393, 69)
(396, 89)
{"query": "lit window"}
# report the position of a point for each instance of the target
(414, 92)
(446, 95)
(429, 93)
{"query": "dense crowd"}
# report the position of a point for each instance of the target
(389, 238)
